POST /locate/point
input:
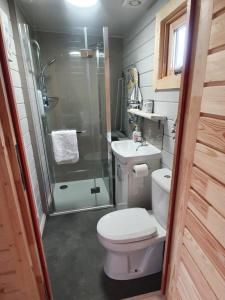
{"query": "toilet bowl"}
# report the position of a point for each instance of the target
(134, 237)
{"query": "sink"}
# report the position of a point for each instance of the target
(126, 151)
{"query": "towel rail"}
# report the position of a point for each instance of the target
(78, 131)
(81, 131)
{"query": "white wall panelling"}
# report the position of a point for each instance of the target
(139, 51)
(31, 105)
(19, 95)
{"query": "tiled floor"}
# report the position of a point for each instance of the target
(75, 260)
(78, 194)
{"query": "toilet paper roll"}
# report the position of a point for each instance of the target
(140, 170)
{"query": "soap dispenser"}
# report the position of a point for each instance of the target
(136, 134)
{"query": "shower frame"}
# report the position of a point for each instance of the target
(51, 205)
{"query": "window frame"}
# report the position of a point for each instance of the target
(180, 22)
(171, 16)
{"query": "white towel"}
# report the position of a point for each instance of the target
(65, 146)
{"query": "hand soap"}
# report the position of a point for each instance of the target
(136, 135)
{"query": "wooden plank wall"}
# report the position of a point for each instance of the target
(17, 278)
(198, 258)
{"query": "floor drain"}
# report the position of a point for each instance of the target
(63, 187)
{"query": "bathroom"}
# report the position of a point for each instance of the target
(99, 92)
(72, 197)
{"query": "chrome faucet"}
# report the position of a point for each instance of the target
(143, 143)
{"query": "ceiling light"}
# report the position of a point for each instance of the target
(83, 3)
(134, 2)
(75, 53)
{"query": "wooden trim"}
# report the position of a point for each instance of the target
(178, 142)
(207, 268)
(208, 216)
(213, 249)
(14, 241)
(210, 161)
(213, 101)
(211, 133)
(185, 285)
(168, 82)
(201, 284)
(13, 135)
(179, 22)
(206, 186)
(217, 37)
(193, 96)
(169, 13)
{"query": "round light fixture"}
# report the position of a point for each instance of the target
(83, 3)
(134, 2)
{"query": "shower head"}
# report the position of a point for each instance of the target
(49, 62)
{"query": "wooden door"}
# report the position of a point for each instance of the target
(23, 271)
(197, 259)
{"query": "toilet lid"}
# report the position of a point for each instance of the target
(127, 225)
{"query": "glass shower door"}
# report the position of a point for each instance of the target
(101, 61)
(72, 87)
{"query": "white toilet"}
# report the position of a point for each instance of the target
(134, 237)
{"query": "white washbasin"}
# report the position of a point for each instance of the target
(127, 150)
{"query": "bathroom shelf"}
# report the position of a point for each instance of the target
(149, 116)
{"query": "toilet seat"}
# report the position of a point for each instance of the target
(128, 225)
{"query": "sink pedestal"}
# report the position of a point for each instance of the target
(132, 191)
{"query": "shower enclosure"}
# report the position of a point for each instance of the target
(70, 76)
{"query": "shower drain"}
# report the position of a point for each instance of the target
(63, 187)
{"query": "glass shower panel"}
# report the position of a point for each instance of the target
(74, 99)
(104, 130)
(98, 99)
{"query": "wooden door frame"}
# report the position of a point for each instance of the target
(13, 134)
(32, 222)
(182, 109)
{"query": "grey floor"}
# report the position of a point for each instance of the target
(75, 261)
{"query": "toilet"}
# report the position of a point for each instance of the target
(134, 237)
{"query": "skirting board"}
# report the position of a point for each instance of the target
(42, 223)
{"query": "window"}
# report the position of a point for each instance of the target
(176, 46)
(170, 45)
